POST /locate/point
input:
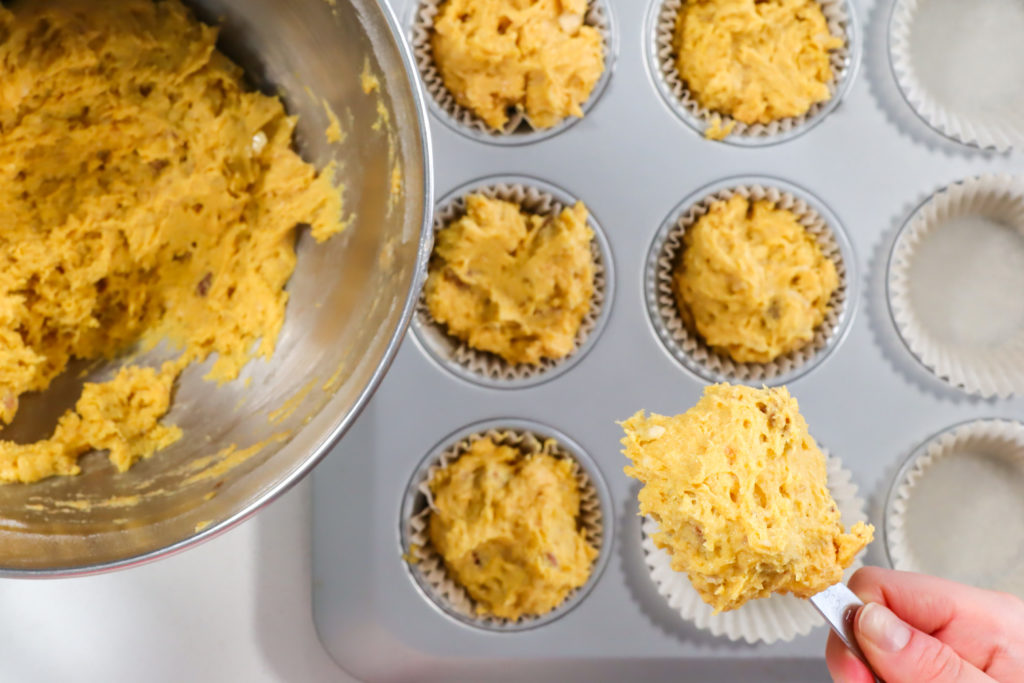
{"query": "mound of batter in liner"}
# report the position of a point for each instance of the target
(513, 283)
(755, 60)
(752, 280)
(738, 488)
(536, 56)
(144, 191)
(506, 525)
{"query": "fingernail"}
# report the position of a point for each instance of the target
(883, 628)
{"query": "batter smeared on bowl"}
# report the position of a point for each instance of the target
(506, 524)
(144, 192)
(752, 280)
(738, 488)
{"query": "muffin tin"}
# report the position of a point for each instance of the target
(869, 162)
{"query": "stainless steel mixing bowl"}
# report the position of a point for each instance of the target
(350, 302)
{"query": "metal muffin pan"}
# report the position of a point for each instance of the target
(631, 160)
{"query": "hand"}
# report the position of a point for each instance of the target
(915, 628)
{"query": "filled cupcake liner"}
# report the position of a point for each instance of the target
(1002, 439)
(1001, 130)
(777, 617)
(434, 577)
(990, 369)
(689, 347)
(490, 367)
(518, 128)
(838, 15)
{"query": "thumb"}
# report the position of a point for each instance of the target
(900, 653)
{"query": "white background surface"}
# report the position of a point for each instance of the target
(234, 609)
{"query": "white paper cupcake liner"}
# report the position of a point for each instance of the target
(956, 507)
(517, 129)
(976, 346)
(921, 30)
(777, 617)
(661, 55)
(686, 345)
(425, 563)
(489, 369)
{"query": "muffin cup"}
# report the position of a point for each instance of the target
(956, 507)
(992, 364)
(488, 369)
(425, 564)
(998, 128)
(517, 129)
(777, 617)
(686, 345)
(661, 21)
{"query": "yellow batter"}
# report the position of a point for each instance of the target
(538, 56)
(515, 284)
(752, 280)
(506, 526)
(143, 191)
(755, 60)
(738, 488)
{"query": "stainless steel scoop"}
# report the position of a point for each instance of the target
(839, 605)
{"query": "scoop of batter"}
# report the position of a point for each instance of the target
(144, 190)
(506, 526)
(755, 60)
(753, 281)
(738, 488)
(515, 284)
(535, 56)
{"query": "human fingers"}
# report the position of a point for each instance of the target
(900, 653)
(843, 665)
(926, 602)
(984, 627)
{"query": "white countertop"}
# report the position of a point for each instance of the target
(234, 609)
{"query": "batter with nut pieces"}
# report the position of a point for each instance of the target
(538, 57)
(739, 490)
(513, 283)
(752, 280)
(145, 193)
(507, 525)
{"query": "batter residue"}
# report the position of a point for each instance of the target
(506, 525)
(755, 60)
(143, 191)
(752, 280)
(536, 56)
(738, 488)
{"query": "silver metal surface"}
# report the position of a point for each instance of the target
(350, 302)
(631, 160)
(839, 605)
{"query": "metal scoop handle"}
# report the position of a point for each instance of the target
(839, 605)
